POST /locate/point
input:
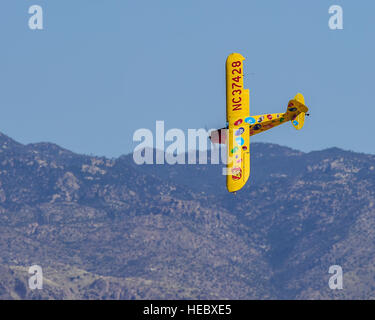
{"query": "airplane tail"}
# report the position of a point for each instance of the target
(299, 103)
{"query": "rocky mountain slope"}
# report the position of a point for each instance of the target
(109, 229)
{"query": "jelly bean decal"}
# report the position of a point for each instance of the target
(234, 150)
(236, 174)
(250, 120)
(239, 132)
(240, 141)
(238, 122)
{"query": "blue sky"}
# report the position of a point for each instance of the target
(102, 69)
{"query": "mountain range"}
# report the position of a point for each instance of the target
(110, 229)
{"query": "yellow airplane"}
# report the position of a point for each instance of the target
(240, 125)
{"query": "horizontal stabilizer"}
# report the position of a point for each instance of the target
(299, 103)
(299, 121)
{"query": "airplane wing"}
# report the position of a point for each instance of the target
(238, 109)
